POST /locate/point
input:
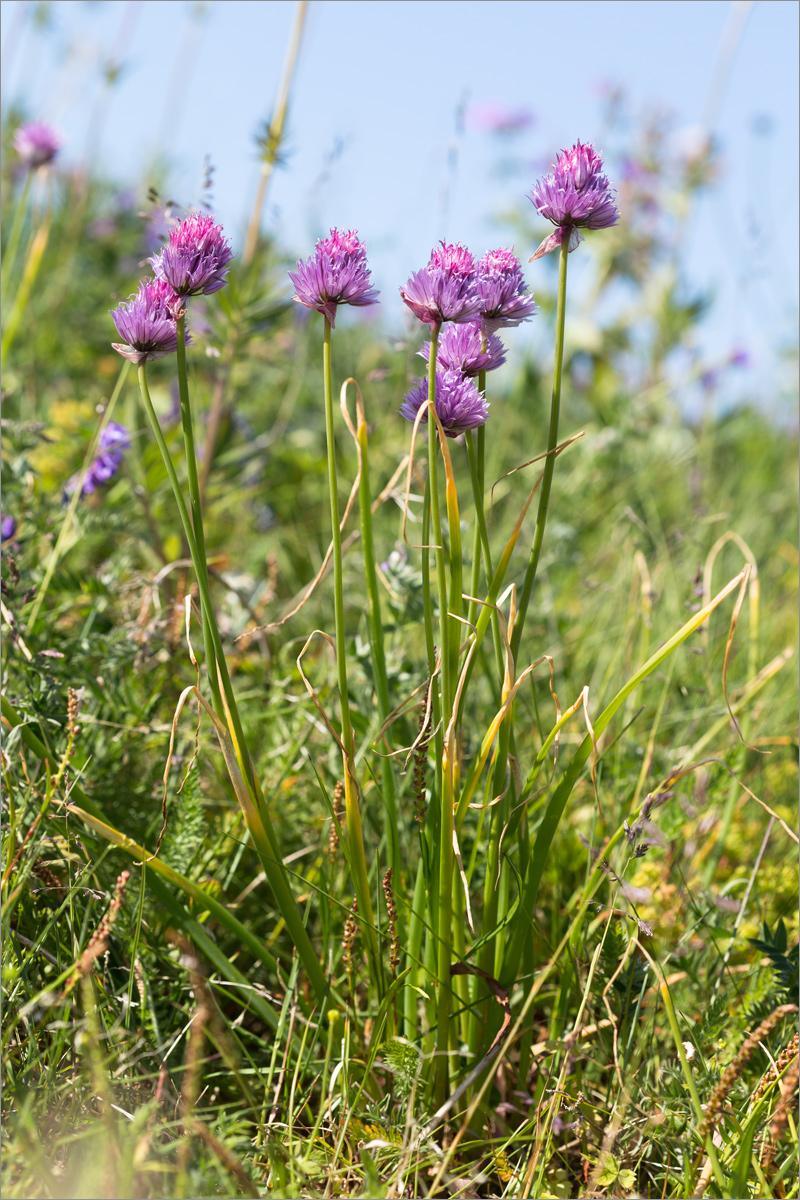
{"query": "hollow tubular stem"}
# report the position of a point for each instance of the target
(194, 500)
(550, 461)
(273, 866)
(352, 808)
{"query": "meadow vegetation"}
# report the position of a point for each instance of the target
(621, 1020)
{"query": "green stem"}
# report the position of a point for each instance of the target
(437, 528)
(550, 461)
(194, 499)
(476, 467)
(416, 926)
(445, 856)
(15, 236)
(691, 1086)
(36, 249)
(427, 604)
(482, 535)
(378, 658)
(352, 808)
(273, 866)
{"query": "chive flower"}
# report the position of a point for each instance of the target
(196, 259)
(505, 299)
(466, 349)
(336, 273)
(459, 404)
(147, 322)
(446, 289)
(574, 196)
(36, 144)
(8, 527)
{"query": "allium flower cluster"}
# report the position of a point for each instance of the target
(574, 196)
(194, 262)
(196, 259)
(114, 441)
(147, 322)
(36, 144)
(459, 404)
(446, 289)
(505, 299)
(476, 299)
(464, 348)
(336, 273)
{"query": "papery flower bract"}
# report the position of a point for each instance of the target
(574, 196)
(459, 404)
(147, 322)
(461, 348)
(8, 527)
(36, 143)
(196, 259)
(336, 273)
(446, 289)
(505, 299)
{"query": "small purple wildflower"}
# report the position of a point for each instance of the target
(459, 404)
(446, 289)
(336, 273)
(574, 196)
(8, 527)
(114, 441)
(37, 144)
(505, 299)
(497, 117)
(147, 321)
(464, 348)
(196, 258)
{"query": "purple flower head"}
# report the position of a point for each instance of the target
(37, 144)
(505, 299)
(147, 322)
(196, 258)
(8, 527)
(445, 290)
(459, 404)
(336, 273)
(574, 196)
(464, 348)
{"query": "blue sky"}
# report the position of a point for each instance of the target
(373, 117)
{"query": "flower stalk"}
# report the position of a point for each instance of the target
(259, 820)
(352, 807)
(194, 499)
(550, 461)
